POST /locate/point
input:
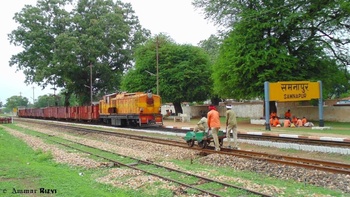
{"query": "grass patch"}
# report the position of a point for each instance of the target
(67, 178)
(22, 168)
(26, 169)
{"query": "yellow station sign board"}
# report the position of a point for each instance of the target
(294, 91)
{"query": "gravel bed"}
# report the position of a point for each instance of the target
(314, 177)
(163, 154)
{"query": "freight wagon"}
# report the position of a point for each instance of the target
(118, 109)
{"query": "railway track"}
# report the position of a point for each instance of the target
(148, 167)
(326, 166)
(272, 138)
(296, 140)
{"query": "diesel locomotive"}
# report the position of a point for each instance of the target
(118, 109)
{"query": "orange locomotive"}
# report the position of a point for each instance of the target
(139, 108)
(119, 109)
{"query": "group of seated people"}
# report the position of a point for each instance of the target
(289, 121)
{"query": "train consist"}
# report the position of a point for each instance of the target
(118, 109)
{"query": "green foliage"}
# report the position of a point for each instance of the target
(280, 41)
(55, 100)
(184, 71)
(211, 46)
(15, 102)
(60, 45)
(49, 100)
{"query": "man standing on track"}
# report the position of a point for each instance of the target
(214, 125)
(231, 125)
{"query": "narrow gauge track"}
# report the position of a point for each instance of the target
(279, 159)
(201, 180)
(327, 166)
(306, 141)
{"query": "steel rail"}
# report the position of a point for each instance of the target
(159, 166)
(278, 159)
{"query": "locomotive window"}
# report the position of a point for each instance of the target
(150, 101)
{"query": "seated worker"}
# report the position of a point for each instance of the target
(299, 123)
(273, 114)
(202, 125)
(294, 120)
(276, 122)
(288, 115)
(271, 121)
(303, 120)
(286, 123)
(306, 123)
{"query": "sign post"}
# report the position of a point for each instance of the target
(267, 106)
(293, 91)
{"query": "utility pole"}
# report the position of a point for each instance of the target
(157, 45)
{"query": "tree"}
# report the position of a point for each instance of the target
(15, 102)
(279, 41)
(59, 46)
(184, 71)
(54, 100)
(212, 47)
(48, 101)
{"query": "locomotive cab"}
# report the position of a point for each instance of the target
(124, 109)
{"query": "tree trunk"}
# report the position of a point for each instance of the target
(215, 100)
(66, 99)
(178, 108)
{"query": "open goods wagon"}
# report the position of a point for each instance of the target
(82, 113)
(118, 109)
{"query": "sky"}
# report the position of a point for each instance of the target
(176, 18)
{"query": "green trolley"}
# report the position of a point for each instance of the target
(203, 138)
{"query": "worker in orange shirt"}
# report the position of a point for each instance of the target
(273, 115)
(271, 121)
(288, 115)
(299, 123)
(294, 120)
(286, 123)
(276, 122)
(303, 121)
(214, 125)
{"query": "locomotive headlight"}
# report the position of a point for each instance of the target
(149, 95)
(141, 109)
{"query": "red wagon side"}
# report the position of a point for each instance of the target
(63, 113)
(89, 113)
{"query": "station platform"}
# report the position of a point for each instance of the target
(277, 132)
